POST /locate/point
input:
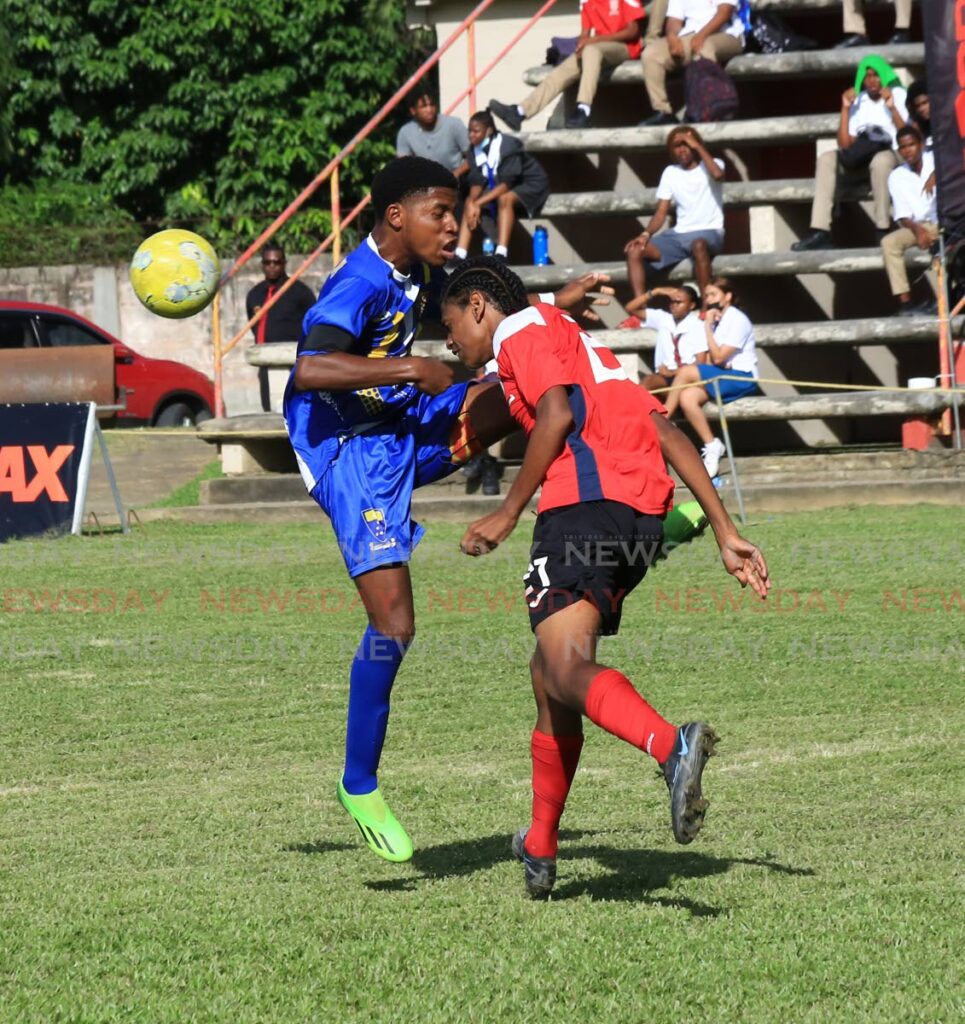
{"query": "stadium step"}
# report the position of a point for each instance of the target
(808, 64)
(874, 467)
(884, 330)
(761, 264)
(735, 193)
(752, 132)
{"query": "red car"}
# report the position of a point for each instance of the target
(49, 354)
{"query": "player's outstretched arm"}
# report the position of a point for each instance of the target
(342, 371)
(741, 558)
(554, 421)
(576, 298)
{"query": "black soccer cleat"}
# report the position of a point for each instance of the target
(539, 872)
(682, 771)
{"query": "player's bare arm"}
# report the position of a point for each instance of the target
(342, 371)
(579, 296)
(741, 558)
(554, 421)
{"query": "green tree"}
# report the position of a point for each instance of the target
(212, 111)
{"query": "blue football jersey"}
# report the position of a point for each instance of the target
(381, 308)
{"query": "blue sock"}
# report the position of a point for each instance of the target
(373, 672)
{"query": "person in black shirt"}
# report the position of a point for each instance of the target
(283, 321)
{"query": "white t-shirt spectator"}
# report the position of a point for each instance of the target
(696, 13)
(698, 198)
(735, 331)
(908, 196)
(684, 339)
(866, 112)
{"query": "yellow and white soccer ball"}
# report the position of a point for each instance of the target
(175, 273)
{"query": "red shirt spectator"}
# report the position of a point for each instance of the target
(604, 17)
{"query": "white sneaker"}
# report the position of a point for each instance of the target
(711, 454)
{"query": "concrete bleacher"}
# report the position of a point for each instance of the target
(759, 131)
(807, 64)
(606, 173)
(736, 194)
(737, 265)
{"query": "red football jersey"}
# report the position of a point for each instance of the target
(605, 17)
(613, 451)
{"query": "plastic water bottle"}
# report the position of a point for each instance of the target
(489, 246)
(541, 247)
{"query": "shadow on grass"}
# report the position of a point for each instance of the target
(322, 846)
(631, 875)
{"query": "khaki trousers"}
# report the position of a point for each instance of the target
(853, 11)
(656, 16)
(584, 68)
(893, 248)
(826, 176)
(657, 62)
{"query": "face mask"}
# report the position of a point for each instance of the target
(484, 145)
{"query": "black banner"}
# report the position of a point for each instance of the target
(41, 456)
(945, 60)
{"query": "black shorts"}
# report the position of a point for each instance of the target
(597, 550)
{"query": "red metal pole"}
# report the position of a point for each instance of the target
(359, 136)
(471, 46)
(502, 53)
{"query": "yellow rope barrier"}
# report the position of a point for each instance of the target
(805, 384)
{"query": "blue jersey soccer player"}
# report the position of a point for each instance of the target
(597, 446)
(369, 422)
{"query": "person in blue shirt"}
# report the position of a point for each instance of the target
(369, 422)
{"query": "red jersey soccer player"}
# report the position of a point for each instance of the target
(597, 444)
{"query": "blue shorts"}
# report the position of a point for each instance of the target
(729, 389)
(367, 488)
(675, 246)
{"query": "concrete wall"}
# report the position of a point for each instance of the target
(104, 296)
(493, 31)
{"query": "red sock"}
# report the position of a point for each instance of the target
(554, 764)
(613, 704)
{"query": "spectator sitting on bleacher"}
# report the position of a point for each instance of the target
(693, 184)
(433, 135)
(913, 197)
(694, 28)
(856, 34)
(871, 114)
(680, 333)
(919, 110)
(609, 35)
(729, 341)
(502, 176)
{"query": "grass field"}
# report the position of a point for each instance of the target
(170, 738)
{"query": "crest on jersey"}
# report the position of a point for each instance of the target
(374, 519)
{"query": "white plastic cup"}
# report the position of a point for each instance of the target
(921, 383)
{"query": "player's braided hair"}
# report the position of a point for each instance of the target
(493, 278)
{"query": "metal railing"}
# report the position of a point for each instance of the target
(330, 173)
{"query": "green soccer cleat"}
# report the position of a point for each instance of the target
(381, 832)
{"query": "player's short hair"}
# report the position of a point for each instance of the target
(908, 129)
(493, 278)
(484, 118)
(421, 91)
(407, 176)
